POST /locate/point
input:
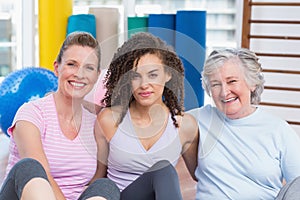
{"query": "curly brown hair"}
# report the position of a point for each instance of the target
(119, 74)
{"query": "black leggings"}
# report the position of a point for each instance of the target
(290, 191)
(27, 169)
(160, 182)
(22, 172)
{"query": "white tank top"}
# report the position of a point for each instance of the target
(128, 159)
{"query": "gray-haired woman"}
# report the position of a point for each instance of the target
(244, 152)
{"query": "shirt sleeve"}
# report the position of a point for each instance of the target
(290, 159)
(28, 112)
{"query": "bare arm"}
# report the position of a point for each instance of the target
(104, 130)
(29, 144)
(102, 153)
(189, 135)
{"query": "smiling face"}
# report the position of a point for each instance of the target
(229, 90)
(149, 80)
(77, 71)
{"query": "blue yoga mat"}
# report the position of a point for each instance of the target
(163, 26)
(82, 22)
(190, 45)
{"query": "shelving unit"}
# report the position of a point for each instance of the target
(221, 16)
(271, 30)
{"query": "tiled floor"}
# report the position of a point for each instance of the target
(187, 184)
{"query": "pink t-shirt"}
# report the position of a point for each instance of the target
(72, 162)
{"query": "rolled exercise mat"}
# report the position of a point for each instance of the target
(53, 18)
(137, 24)
(82, 22)
(107, 26)
(190, 44)
(163, 26)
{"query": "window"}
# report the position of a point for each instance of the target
(8, 38)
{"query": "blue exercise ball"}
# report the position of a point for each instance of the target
(22, 86)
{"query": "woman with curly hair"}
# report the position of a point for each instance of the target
(143, 130)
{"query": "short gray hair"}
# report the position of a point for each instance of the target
(246, 59)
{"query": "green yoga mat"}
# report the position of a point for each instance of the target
(137, 24)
